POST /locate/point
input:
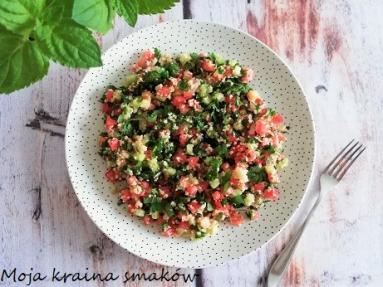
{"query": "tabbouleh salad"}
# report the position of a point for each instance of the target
(190, 143)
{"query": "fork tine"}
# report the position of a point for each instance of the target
(337, 156)
(341, 159)
(346, 160)
(350, 164)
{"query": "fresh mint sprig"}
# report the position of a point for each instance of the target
(35, 32)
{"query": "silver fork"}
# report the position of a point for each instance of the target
(331, 175)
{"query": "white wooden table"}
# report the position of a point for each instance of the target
(334, 47)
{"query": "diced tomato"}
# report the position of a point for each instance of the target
(194, 206)
(183, 225)
(165, 191)
(193, 162)
(131, 206)
(132, 180)
(163, 92)
(203, 185)
(112, 175)
(228, 71)
(178, 100)
(109, 95)
(105, 108)
(258, 187)
(239, 152)
(148, 154)
(160, 220)
(179, 157)
(183, 139)
(234, 182)
(260, 128)
(231, 137)
(114, 144)
(271, 194)
(208, 65)
(101, 140)
(145, 57)
(187, 95)
(216, 195)
(125, 195)
(277, 119)
(109, 123)
(225, 166)
(169, 232)
(191, 190)
(145, 185)
(147, 219)
(117, 112)
(184, 108)
(216, 77)
(247, 75)
(236, 218)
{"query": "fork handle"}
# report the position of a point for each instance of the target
(279, 266)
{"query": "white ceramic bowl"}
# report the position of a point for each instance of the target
(273, 80)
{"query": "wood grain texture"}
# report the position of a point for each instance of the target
(334, 48)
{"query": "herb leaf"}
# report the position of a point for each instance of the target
(94, 14)
(148, 7)
(20, 15)
(127, 9)
(73, 46)
(21, 62)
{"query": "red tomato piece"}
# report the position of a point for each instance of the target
(216, 195)
(208, 65)
(187, 95)
(101, 140)
(163, 92)
(169, 232)
(112, 175)
(277, 119)
(183, 139)
(194, 206)
(109, 123)
(114, 144)
(260, 128)
(105, 108)
(193, 162)
(183, 225)
(147, 219)
(271, 194)
(178, 100)
(179, 157)
(109, 96)
(258, 186)
(125, 195)
(191, 190)
(236, 218)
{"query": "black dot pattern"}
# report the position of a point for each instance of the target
(273, 80)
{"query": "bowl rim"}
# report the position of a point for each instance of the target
(312, 165)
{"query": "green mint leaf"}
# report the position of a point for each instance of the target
(56, 10)
(73, 46)
(148, 7)
(21, 61)
(20, 15)
(127, 9)
(94, 14)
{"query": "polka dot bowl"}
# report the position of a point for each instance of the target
(273, 80)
